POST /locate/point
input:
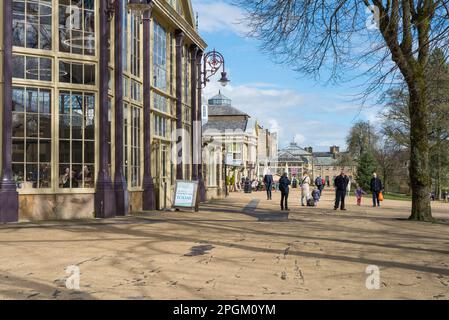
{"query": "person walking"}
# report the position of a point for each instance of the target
(376, 188)
(319, 183)
(305, 188)
(316, 196)
(359, 192)
(284, 182)
(340, 183)
(268, 181)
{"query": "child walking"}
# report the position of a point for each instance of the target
(316, 196)
(358, 194)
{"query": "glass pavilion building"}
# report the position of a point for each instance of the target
(91, 93)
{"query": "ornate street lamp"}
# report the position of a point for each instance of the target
(212, 62)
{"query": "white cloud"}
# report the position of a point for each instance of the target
(216, 16)
(302, 117)
(274, 125)
(299, 139)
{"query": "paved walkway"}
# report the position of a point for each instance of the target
(239, 248)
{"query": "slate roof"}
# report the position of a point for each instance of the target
(224, 110)
(324, 161)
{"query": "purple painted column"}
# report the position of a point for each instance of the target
(179, 35)
(195, 137)
(9, 198)
(120, 186)
(148, 196)
(202, 187)
(104, 193)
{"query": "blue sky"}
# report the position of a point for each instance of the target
(300, 108)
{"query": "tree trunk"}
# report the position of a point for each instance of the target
(419, 153)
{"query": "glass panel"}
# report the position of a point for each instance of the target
(64, 115)
(88, 173)
(18, 99)
(31, 100)
(77, 116)
(17, 170)
(31, 150)
(77, 151)
(65, 176)
(44, 150)
(18, 63)
(18, 154)
(77, 176)
(64, 71)
(31, 176)
(18, 129)
(89, 152)
(77, 73)
(32, 124)
(89, 74)
(45, 175)
(89, 132)
(64, 151)
(45, 69)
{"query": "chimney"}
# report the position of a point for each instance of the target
(334, 149)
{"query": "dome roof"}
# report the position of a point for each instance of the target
(296, 150)
(219, 100)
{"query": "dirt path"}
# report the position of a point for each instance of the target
(239, 248)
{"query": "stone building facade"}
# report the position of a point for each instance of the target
(235, 146)
(296, 160)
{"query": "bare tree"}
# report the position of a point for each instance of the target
(318, 35)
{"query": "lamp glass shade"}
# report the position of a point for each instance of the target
(223, 80)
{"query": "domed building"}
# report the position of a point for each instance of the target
(233, 140)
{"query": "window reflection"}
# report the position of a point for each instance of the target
(31, 132)
(76, 139)
(32, 24)
(77, 26)
(76, 73)
(160, 56)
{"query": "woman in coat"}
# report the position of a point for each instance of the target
(305, 188)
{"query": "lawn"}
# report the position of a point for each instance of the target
(397, 196)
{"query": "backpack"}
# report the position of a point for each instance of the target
(310, 202)
(318, 181)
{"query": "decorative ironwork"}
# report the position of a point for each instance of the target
(213, 61)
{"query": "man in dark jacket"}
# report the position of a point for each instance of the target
(284, 182)
(340, 183)
(268, 181)
(376, 188)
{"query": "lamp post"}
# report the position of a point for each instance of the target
(212, 62)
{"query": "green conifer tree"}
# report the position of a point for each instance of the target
(366, 165)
